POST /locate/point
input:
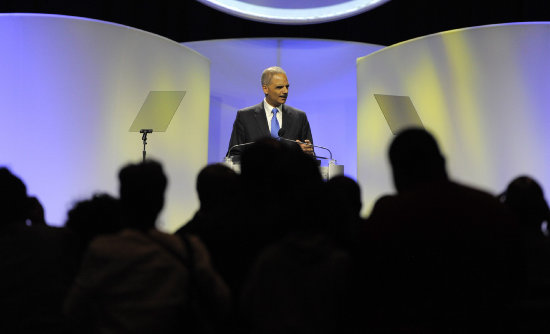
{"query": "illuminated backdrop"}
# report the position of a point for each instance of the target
(482, 91)
(69, 91)
(71, 87)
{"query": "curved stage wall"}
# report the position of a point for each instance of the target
(482, 91)
(70, 89)
(322, 76)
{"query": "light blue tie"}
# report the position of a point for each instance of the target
(274, 124)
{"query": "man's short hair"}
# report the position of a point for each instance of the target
(415, 159)
(142, 188)
(414, 146)
(13, 197)
(269, 72)
(215, 183)
(142, 178)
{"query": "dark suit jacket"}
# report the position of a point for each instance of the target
(251, 125)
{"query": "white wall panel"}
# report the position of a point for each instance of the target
(482, 91)
(69, 91)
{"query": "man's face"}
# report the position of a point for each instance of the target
(276, 91)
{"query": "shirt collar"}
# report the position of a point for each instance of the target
(268, 107)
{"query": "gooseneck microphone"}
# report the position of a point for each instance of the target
(281, 133)
(235, 146)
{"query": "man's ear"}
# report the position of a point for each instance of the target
(264, 88)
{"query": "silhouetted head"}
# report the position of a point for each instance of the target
(142, 188)
(343, 210)
(525, 197)
(217, 185)
(263, 159)
(35, 212)
(347, 192)
(284, 176)
(415, 159)
(13, 197)
(95, 216)
(279, 165)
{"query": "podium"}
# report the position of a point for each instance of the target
(327, 172)
(332, 170)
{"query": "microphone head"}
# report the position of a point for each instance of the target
(281, 132)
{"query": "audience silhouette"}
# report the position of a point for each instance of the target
(344, 195)
(141, 279)
(299, 280)
(216, 223)
(218, 189)
(35, 212)
(524, 198)
(440, 254)
(37, 264)
(274, 196)
(275, 249)
(93, 217)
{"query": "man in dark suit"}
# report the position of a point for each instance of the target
(268, 117)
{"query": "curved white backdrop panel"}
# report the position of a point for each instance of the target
(322, 77)
(69, 91)
(482, 91)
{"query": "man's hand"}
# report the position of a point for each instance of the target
(306, 146)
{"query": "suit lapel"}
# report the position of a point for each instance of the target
(261, 120)
(288, 119)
